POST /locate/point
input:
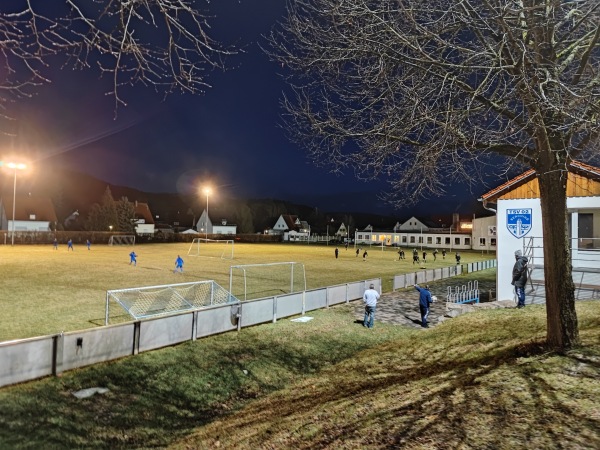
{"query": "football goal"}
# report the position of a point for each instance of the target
(212, 248)
(252, 281)
(122, 239)
(154, 301)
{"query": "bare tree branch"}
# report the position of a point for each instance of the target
(418, 90)
(163, 44)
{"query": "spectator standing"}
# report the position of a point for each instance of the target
(424, 301)
(370, 298)
(435, 252)
(133, 258)
(457, 258)
(519, 277)
(70, 245)
(178, 264)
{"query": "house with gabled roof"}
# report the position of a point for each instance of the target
(519, 223)
(291, 228)
(144, 222)
(31, 213)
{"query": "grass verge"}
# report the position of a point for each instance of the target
(482, 380)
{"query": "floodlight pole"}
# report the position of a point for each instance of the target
(207, 192)
(14, 166)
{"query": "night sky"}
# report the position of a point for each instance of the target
(230, 137)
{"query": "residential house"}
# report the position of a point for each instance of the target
(416, 232)
(204, 224)
(291, 228)
(31, 213)
(144, 223)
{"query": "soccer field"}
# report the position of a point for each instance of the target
(46, 291)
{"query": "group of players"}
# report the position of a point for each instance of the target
(416, 259)
(178, 262)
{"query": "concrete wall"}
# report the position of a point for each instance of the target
(28, 359)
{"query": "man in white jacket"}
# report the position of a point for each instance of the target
(370, 298)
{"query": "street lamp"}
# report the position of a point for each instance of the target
(207, 191)
(328, 230)
(15, 167)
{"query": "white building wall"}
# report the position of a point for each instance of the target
(224, 229)
(508, 243)
(484, 238)
(29, 225)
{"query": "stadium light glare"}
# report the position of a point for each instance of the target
(207, 191)
(15, 166)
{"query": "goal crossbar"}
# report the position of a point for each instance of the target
(212, 248)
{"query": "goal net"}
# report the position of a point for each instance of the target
(252, 281)
(122, 239)
(152, 301)
(211, 248)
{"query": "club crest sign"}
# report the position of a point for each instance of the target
(518, 221)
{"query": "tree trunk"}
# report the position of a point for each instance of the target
(561, 317)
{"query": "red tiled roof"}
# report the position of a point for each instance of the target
(142, 211)
(26, 207)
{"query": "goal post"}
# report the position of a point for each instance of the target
(252, 281)
(211, 248)
(122, 239)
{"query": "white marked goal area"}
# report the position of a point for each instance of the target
(122, 239)
(212, 248)
(152, 301)
(252, 281)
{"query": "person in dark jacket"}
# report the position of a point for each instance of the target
(424, 301)
(519, 277)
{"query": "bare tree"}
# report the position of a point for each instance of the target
(163, 44)
(423, 91)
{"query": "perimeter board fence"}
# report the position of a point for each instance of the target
(38, 357)
(426, 276)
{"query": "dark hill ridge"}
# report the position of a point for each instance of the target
(75, 191)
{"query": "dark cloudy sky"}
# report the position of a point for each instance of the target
(230, 136)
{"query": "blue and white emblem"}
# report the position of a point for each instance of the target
(518, 221)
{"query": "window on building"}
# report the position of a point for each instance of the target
(412, 239)
(585, 231)
(482, 242)
(429, 240)
(467, 241)
(420, 239)
(438, 240)
(493, 242)
(373, 238)
(456, 241)
(447, 241)
(404, 239)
